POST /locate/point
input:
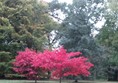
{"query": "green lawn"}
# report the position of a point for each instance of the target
(27, 81)
(66, 81)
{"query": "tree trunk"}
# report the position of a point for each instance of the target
(76, 79)
(60, 80)
(35, 80)
(49, 74)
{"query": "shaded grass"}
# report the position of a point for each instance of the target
(48, 81)
(27, 81)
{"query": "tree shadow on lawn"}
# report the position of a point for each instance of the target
(65, 81)
(48, 81)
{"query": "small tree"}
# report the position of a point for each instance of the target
(69, 64)
(23, 64)
(60, 63)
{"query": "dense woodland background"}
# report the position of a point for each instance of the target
(39, 26)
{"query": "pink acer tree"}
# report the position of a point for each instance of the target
(23, 64)
(60, 63)
(69, 64)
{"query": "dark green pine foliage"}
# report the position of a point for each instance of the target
(4, 63)
(8, 37)
(80, 17)
(9, 43)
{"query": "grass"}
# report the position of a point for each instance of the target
(66, 81)
(28, 81)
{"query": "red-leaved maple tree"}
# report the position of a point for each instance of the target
(23, 64)
(58, 62)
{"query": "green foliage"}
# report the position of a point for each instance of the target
(8, 37)
(108, 35)
(27, 18)
(4, 56)
(4, 59)
(23, 23)
(8, 41)
(30, 23)
(77, 27)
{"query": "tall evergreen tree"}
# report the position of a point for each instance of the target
(8, 41)
(80, 17)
